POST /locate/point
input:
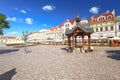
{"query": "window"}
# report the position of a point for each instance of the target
(93, 20)
(109, 16)
(68, 25)
(101, 18)
(111, 28)
(106, 28)
(119, 27)
(96, 29)
(101, 29)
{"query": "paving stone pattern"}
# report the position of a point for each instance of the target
(52, 62)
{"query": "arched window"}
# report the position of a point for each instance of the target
(96, 29)
(106, 28)
(101, 18)
(111, 28)
(94, 20)
(119, 27)
(109, 16)
(68, 25)
(101, 29)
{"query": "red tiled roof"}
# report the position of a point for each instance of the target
(59, 26)
(71, 20)
(9, 37)
(52, 28)
(105, 15)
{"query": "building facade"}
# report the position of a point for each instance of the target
(103, 25)
(117, 21)
(11, 40)
(33, 37)
(42, 35)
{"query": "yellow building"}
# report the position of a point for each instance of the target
(11, 40)
(104, 25)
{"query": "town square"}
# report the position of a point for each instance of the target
(52, 62)
(59, 40)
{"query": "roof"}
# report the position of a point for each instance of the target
(104, 14)
(95, 19)
(86, 29)
(52, 29)
(9, 37)
(71, 20)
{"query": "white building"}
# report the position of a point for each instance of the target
(34, 37)
(50, 35)
(58, 34)
(43, 36)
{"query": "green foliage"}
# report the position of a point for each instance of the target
(3, 23)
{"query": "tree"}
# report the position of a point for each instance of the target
(3, 23)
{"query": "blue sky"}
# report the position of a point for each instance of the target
(33, 15)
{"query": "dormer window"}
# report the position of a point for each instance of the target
(94, 20)
(67, 25)
(101, 18)
(109, 16)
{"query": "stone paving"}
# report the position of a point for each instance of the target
(52, 62)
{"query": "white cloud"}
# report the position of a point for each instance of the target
(23, 11)
(42, 29)
(48, 8)
(12, 19)
(12, 33)
(29, 20)
(94, 10)
(45, 25)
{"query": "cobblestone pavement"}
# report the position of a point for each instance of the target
(52, 62)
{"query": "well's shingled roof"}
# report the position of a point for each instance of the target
(86, 29)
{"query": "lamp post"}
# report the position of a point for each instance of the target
(25, 39)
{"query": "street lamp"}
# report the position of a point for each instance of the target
(25, 39)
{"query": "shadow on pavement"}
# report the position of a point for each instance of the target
(114, 54)
(63, 49)
(3, 51)
(8, 75)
